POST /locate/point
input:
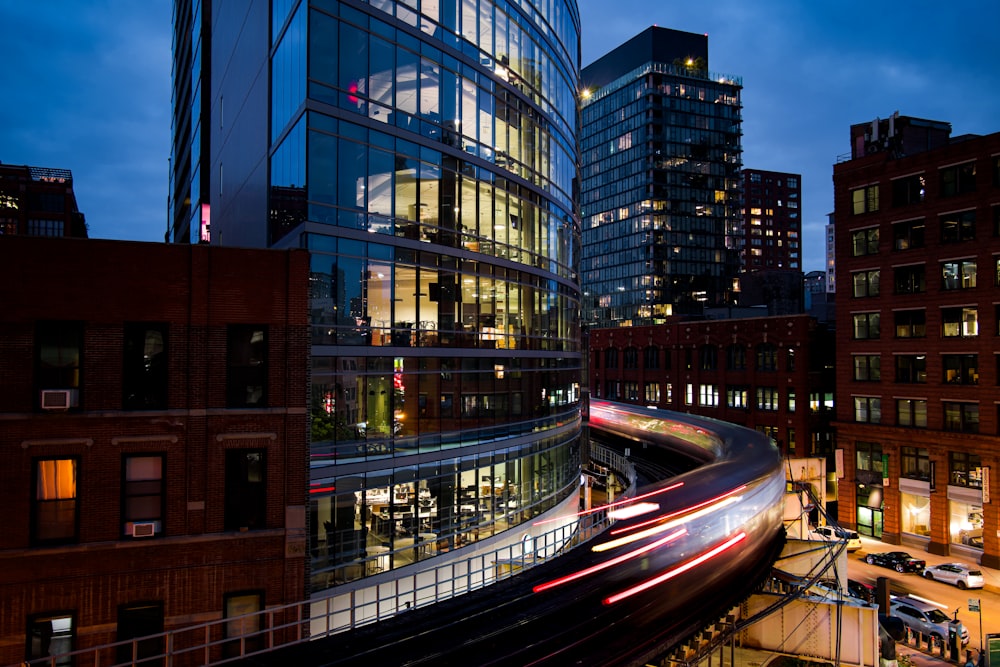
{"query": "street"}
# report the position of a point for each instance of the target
(948, 597)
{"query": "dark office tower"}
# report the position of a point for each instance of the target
(39, 201)
(189, 213)
(425, 154)
(772, 226)
(660, 181)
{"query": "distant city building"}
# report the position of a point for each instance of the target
(772, 226)
(918, 380)
(660, 194)
(427, 159)
(818, 301)
(831, 255)
(189, 214)
(772, 374)
(153, 414)
(39, 201)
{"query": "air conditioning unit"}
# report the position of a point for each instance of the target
(143, 529)
(59, 399)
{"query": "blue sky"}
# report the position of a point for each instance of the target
(87, 86)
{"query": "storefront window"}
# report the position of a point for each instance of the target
(916, 514)
(965, 523)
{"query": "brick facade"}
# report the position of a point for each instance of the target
(801, 350)
(193, 561)
(908, 239)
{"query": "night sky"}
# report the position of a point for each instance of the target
(87, 86)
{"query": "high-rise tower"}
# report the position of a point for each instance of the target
(661, 155)
(426, 157)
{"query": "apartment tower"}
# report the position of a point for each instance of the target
(660, 187)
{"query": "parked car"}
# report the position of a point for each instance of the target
(838, 533)
(900, 561)
(861, 590)
(958, 574)
(926, 619)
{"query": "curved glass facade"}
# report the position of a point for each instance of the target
(424, 152)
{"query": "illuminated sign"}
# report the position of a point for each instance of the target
(205, 232)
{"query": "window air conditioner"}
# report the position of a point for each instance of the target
(143, 529)
(59, 399)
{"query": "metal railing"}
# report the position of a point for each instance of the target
(227, 639)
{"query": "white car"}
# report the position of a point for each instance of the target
(837, 533)
(958, 574)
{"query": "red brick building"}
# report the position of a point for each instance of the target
(152, 438)
(918, 378)
(765, 373)
(772, 223)
(39, 201)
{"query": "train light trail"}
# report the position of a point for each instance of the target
(630, 511)
(619, 503)
(658, 527)
(618, 560)
(670, 574)
(710, 501)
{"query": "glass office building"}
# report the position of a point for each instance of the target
(660, 190)
(425, 153)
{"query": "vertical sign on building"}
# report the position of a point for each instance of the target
(986, 485)
(205, 233)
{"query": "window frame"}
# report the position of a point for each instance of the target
(38, 510)
(31, 656)
(867, 367)
(908, 190)
(59, 358)
(910, 368)
(148, 375)
(909, 234)
(863, 323)
(864, 241)
(247, 366)
(957, 226)
(961, 279)
(965, 367)
(965, 422)
(956, 319)
(915, 418)
(865, 199)
(767, 357)
(133, 489)
(868, 407)
(909, 279)
(917, 329)
(245, 501)
(915, 463)
(866, 283)
(957, 179)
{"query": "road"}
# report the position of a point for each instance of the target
(948, 597)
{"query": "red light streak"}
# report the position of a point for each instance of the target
(609, 563)
(322, 489)
(670, 574)
(663, 517)
(611, 505)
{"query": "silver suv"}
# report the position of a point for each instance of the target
(926, 619)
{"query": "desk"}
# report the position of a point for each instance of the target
(380, 562)
(427, 543)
